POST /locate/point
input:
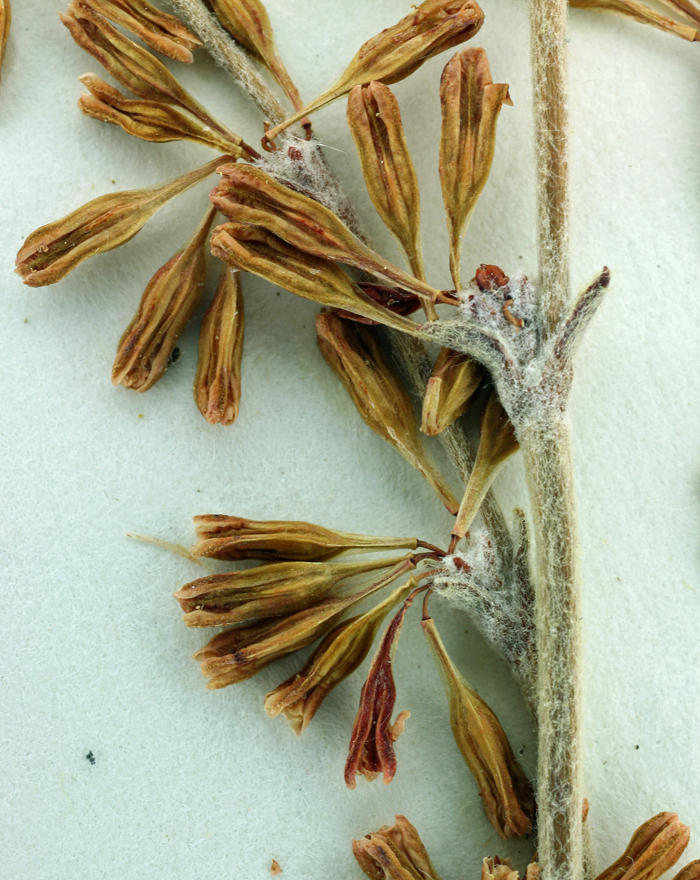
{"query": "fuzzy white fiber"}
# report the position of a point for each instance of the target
(193, 784)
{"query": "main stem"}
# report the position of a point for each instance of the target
(546, 449)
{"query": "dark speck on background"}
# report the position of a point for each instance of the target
(90, 757)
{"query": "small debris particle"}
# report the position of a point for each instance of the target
(275, 868)
(91, 757)
(636, 747)
(26, 320)
(140, 415)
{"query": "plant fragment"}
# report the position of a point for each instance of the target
(337, 657)
(107, 222)
(433, 27)
(5, 21)
(451, 389)
(353, 353)
(641, 13)
(168, 302)
(654, 847)
(233, 537)
(505, 791)
(394, 853)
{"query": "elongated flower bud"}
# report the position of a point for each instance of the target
(239, 653)
(643, 14)
(374, 121)
(655, 847)
(272, 590)
(162, 32)
(232, 537)
(353, 353)
(471, 103)
(217, 385)
(167, 305)
(451, 389)
(107, 222)
(151, 120)
(247, 21)
(337, 657)
(5, 21)
(505, 791)
(434, 26)
(250, 195)
(256, 250)
(394, 853)
(690, 872)
(497, 442)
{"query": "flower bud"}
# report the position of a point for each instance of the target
(497, 442)
(353, 353)
(247, 21)
(433, 27)
(690, 872)
(105, 223)
(232, 537)
(505, 791)
(471, 103)
(253, 249)
(241, 652)
(394, 853)
(5, 21)
(168, 303)
(655, 847)
(451, 389)
(338, 656)
(150, 120)
(162, 32)
(217, 385)
(272, 590)
(643, 14)
(251, 196)
(375, 124)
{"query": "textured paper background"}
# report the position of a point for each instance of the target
(193, 784)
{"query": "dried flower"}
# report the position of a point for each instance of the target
(373, 735)
(505, 791)
(151, 120)
(247, 21)
(641, 13)
(255, 250)
(497, 442)
(353, 353)
(337, 657)
(217, 385)
(374, 121)
(451, 389)
(162, 32)
(167, 304)
(434, 26)
(105, 223)
(232, 537)
(471, 103)
(655, 847)
(249, 195)
(394, 853)
(273, 590)
(498, 869)
(5, 21)
(241, 652)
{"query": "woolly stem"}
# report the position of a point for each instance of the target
(549, 64)
(547, 456)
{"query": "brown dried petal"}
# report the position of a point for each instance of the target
(105, 223)
(451, 389)
(249, 195)
(392, 55)
(641, 13)
(232, 537)
(690, 872)
(394, 853)
(5, 21)
(217, 385)
(337, 657)
(654, 848)
(375, 124)
(167, 304)
(470, 107)
(273, 590)
(505, 791)
(162, 32)
(253, 249)
(498, 869)
(352, 351)
(150, 120)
